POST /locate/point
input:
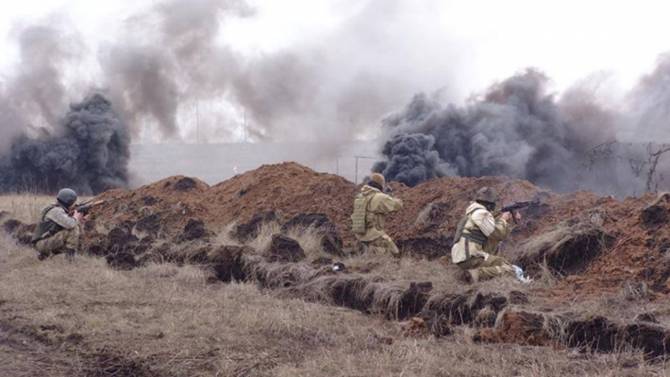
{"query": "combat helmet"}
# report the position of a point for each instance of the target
(487, 195)
(66, 197)
(378, 179)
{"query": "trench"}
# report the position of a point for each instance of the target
(496, 317)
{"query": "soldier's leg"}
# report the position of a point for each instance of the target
(72, 238)
(469, 272)
(493, 267)
(376, 247)
(51, 245)
(388, 245)
(471, 263)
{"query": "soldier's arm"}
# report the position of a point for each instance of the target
(60, 217)
(387, 203)
(496, 229)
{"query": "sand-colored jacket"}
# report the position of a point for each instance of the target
(380, 206)
(480, 219)
(62, 218)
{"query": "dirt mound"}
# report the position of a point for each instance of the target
(590, 333)
(656, 213)
(183, 209)
(249, 230)
(22, 232)
(284, 249)
(159, 221)
(289, 190)
(568, 249)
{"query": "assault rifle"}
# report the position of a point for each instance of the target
(85, 207)
(517, 206)
(513, 208)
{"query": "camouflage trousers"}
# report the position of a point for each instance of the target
(66, 239)
(489, 268)
(381, 245)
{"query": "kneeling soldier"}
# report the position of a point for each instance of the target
(477, 239)
(59, 227)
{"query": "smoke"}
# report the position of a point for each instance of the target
(173, 58)
(414, 159)
(649, 104)
(35, 95)
(169, 57)
(89, 152)
(42, 150)
(518, 129)
(332, 89)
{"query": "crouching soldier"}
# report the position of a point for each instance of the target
(59, 227)
(371, 207)
(477, 239)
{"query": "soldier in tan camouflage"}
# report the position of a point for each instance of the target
(371, 207)
(59, 228)
(477, 245)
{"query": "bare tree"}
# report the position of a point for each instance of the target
(653, 157)
(643, 163)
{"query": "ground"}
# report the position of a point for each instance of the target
(163, 319)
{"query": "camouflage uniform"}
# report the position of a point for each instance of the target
(375, 239)
(475, 250)
(63, 235)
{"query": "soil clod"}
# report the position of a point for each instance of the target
(284, 249)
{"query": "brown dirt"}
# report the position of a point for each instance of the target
(185, 210)
(596, 243)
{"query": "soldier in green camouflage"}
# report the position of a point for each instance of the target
(58, 230)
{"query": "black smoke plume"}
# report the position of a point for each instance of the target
(88, 152)
(516, 129)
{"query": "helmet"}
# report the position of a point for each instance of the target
(66, 197)
(487, 195)
(378, 179)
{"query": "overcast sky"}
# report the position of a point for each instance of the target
(476, 41)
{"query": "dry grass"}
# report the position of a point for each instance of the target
(407, 270)
(83, 319)
(26, 208)
(165, 320)
(310, 241)
(548, 277)
(225, 236)
(264, 238)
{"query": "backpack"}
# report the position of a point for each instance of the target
(359, 217)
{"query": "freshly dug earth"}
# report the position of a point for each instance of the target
(164, 219)
(599, 243)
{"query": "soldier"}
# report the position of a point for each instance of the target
(371, 207)
(477, 239)
(59, 227)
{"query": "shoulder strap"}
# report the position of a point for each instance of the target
(47, 210)
(473, 211)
